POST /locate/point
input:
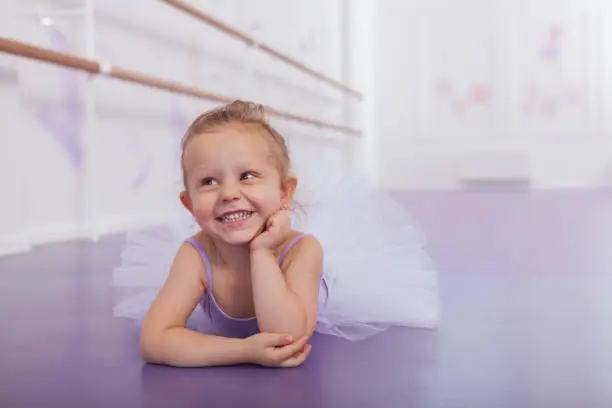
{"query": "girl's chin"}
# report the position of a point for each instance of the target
(237, 233)
(243, 237)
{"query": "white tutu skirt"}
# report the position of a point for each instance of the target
(376, 271)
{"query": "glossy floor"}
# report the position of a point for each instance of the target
(526, 287)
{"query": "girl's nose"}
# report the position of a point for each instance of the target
(230, 192)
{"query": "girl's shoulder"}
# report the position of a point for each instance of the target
(196, 249)
(298, 244)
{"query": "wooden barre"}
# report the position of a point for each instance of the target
(19, 48)
(200, 15)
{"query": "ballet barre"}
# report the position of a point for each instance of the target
(250, 41)
(23, 49)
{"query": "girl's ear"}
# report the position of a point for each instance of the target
(288, 190)
(186, 201)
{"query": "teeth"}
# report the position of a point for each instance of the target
(236, 216)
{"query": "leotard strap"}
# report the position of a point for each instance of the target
(288, 247)
(205, 259)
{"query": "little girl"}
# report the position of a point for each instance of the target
(247, 288)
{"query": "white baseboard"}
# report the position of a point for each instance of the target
(493, 166)
(52, 233)
(55, 233)
(14, 244)
(121, 224)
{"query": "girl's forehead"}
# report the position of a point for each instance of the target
(227, 145)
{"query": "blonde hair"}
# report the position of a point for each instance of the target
(239, 112)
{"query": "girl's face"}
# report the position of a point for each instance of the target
(233, 183)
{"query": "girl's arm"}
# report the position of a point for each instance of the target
(164, 337)
(286, 302)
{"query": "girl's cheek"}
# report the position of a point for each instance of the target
(203, 206)
(267, 197)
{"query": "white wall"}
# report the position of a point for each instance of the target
(86, 156)
(361, 33)
(478, 89)
(493, 89)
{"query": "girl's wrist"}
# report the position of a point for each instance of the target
(244, 351)
(256, 252)
(262, 261)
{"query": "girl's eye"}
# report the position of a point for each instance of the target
(208, 181)
(247, 175)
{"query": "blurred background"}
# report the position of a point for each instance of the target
(444, 95)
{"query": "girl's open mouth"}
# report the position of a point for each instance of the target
(234, 217)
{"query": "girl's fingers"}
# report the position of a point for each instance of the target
(299, 358)
(276, 340)
(286, 352)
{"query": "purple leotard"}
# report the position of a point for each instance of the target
(216, 320)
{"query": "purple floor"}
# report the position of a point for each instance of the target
(526, 287)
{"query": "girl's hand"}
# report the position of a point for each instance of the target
(276, 230)
(276, 350)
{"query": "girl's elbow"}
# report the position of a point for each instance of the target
(148, 351)
(296, 329)
(310, 327)
(150, 347)
(305, 329)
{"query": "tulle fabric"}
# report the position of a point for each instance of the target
(376, 271)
